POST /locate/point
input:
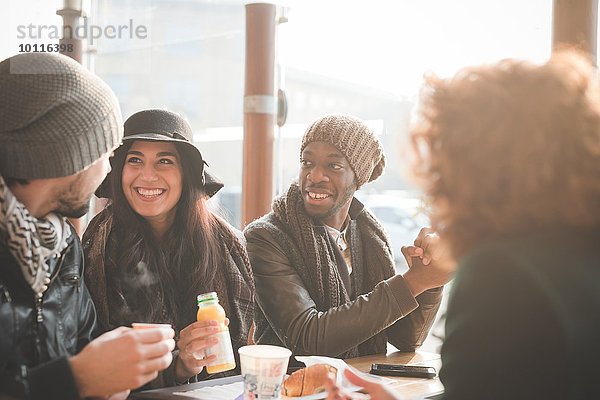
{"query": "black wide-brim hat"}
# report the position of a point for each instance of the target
(165, 126)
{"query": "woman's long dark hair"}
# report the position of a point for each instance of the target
(159, 280)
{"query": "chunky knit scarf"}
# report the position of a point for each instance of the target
(233, 282)
(312, 255)
(30, 240)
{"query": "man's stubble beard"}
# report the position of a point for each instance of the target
(348, 194)
(71, 202)
(69, 211)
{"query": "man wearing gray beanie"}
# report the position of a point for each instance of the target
(322, 263)
(58, 125)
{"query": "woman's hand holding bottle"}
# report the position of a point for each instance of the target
(193, 341)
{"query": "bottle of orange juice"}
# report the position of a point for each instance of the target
(209, 309)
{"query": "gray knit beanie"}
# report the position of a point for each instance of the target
(354, 140)
(56, 117)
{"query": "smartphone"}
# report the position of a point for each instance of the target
(413, 371)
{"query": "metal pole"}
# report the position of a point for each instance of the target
(71, 13)
(575, 22)
(259, 111)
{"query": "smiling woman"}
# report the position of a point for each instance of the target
(151, 181)
(157, 245)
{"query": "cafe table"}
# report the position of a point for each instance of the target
(405, 388)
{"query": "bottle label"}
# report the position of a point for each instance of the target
(223, 349)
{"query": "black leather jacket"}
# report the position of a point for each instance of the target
(37, 336)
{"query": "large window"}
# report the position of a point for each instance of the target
(334, 56)
(368, 59)
(27, 22)
(356, 57)
(192, 63)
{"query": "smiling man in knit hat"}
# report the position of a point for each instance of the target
(323, 267)
(58, 125)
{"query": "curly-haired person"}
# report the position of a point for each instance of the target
(512, 165)
(510, 158)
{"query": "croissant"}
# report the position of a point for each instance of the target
(309, 380)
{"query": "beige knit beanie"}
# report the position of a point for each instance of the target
(56, 117)
(355, 140)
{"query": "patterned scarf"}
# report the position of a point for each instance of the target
(30, 240)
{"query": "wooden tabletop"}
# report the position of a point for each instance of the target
(406, 388)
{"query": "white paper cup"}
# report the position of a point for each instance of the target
(263, 369)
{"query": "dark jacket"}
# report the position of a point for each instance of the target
(288, 315)
(37, 337)
(524, 319)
